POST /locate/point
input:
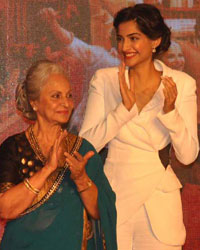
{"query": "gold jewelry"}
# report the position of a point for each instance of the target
(30, 187)
(89, 184)
(153, 50)
(35, 146)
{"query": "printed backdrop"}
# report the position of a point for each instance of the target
(79, 35)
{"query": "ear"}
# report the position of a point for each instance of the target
(156, 43)
(34, 105)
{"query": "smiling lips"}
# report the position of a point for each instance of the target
(129, 55)
(66, 112)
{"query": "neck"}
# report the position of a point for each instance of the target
(47, 133)
(144, 75)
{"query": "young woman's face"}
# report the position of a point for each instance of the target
(174, 57)
(133, 45)
(55, 103)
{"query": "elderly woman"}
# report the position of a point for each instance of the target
(174, 57)
(53, 191)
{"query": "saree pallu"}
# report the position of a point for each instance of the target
(58, 224)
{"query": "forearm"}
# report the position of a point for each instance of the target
(62, 35)
(89, 195)
(18, 198)
(183, 136)
(105, 113)
(181, 121)
(186, 148)
(99, 135)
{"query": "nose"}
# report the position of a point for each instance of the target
(126, 44)
(179, 60)
(67, 102)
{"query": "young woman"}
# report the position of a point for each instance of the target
(139, 110)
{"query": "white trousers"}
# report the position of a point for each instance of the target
(136, 234)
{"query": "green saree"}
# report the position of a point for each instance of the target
(58, 221)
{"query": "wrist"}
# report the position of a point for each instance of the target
(128, 106)
(30, 187)
(83, 184)
(169, 109)
(47, 170)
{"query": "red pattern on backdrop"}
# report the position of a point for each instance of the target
(191, 215)
(18, 38)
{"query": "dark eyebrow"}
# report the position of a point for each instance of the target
(131, 34)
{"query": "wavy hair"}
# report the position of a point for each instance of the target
(29, 89)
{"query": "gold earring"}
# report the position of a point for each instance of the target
(153, 50)
(34, 108)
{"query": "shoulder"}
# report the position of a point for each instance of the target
(105, 73)
(172, 72)
(86, 146)
(184, 82)
(80, 144)
(182, 76)
(9, 145)
(182, 79)
(104, 79)
(12, 139)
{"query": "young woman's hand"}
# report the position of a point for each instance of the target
(128, 97)
(170, 93)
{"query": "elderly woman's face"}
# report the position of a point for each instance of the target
(174, 57)
(55, 103)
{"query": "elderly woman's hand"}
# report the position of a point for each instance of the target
(77, 164)
(52, 161)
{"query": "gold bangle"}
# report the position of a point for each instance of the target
(30, 187)
(89, 184)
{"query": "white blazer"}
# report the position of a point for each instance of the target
(133, 166)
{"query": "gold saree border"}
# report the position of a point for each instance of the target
(84, 239)
(53, 182)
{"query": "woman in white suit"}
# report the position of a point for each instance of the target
(139, 110)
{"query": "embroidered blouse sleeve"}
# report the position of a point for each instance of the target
(9, 176)
(98, 127)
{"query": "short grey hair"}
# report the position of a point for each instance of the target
(29, 89)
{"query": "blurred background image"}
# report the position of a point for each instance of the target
(79, 35)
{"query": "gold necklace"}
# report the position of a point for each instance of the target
(35, 145)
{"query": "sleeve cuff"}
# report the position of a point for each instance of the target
(170, 120)
(124, 114)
